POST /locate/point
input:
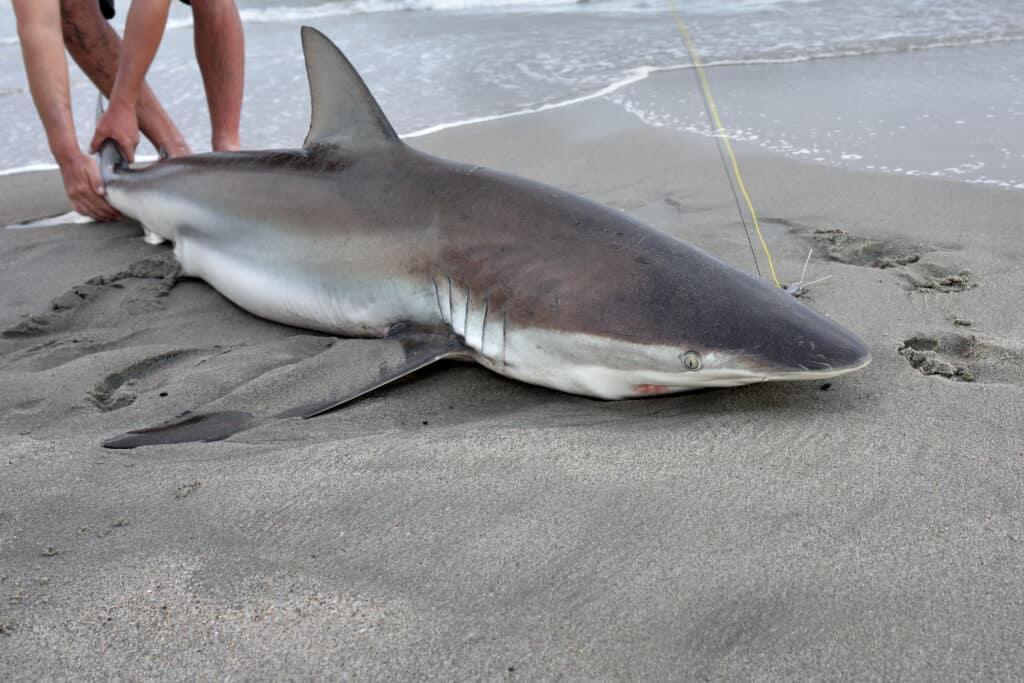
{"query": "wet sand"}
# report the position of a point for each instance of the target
(461, 525)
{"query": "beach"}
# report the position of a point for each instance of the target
(461, 525)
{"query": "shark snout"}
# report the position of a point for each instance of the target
(825, 349)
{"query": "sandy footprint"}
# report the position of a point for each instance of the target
(840, 246)
(137, 289)
(965, 357)
(119, 389)
(54, 351)
(904, 257)
(929, 277)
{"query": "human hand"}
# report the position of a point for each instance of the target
(120, 124)
(84, 187)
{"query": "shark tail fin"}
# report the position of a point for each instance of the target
(111, 159)
(345, 114)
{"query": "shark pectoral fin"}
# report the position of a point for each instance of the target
(405, 351)
(344, 112)
(187, 427)
(418, 351)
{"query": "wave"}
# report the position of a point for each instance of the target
(633, 76)
(29, 168)
(640, 73)
(285, 14)
(50, 166)
(274, 15)
(875, 49)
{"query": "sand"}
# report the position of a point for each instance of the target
(462, 526)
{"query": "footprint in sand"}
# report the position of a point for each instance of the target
(116, 390)
(965, 357)
(137, 289)
(840, 246)
(928, 277)
(904, 257)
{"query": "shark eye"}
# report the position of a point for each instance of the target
(691, 360)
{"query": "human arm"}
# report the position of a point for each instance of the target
(42, 46)
(96, 48)
(143, 32)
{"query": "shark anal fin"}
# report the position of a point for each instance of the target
(345, 114)
(420, 349)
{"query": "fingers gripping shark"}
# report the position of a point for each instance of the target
(358, 234)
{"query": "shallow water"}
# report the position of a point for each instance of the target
(929, 88)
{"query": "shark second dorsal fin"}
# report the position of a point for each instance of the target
(344, 112)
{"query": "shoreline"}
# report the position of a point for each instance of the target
(644, 73)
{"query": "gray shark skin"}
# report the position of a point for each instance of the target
(358, 234)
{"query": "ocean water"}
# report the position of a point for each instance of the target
(921, 87)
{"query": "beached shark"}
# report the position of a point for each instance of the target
(357, 234)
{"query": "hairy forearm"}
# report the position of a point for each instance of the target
(96, 47)
(42, 45)
(143, 32)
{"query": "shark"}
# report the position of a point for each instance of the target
(358, 234)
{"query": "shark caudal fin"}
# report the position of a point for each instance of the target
(344, 112)
(110, 158)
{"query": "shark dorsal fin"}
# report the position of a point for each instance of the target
(344, 112)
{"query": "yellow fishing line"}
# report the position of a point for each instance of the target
(720, 132)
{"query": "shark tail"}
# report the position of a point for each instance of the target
(112, 163)
(111, 160)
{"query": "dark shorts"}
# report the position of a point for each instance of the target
(107, 7)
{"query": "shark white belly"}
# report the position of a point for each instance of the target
(235, 258)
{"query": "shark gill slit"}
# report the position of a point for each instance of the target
(437, 298)
(451, 310)
(504, 338)
(483, 328)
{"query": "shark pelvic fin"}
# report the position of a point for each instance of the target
(187, 428)
(416, 350)
(344, 112)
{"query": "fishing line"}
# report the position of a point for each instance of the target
(722, 139)
(732, 188)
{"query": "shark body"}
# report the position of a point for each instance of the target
(358, 234)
